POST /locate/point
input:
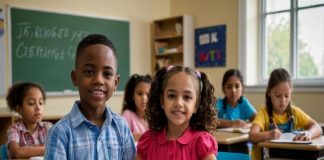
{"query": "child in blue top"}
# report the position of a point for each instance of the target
(91, 130)
(234, 110)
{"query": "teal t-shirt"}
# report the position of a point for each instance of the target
(243, 110)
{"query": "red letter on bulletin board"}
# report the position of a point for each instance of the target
(210, 45)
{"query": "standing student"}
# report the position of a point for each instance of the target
(279, 115)
(135, 100)
(234, 110)
(91, 130)
(26, 138)
(180, 117)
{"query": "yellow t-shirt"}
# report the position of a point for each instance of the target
(262, 119)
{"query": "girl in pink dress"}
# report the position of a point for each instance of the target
(181, 117)
(134, 104)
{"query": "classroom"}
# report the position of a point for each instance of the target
(141, 14)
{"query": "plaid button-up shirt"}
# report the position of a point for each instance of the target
(18, 133)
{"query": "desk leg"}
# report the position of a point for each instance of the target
(237, 147)
(295, 154)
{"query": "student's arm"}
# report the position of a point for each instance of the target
(256, 135)
(252, 118)
(313, 130)
(16, 151)
(138, 157)
(228, 123)
(136, 136)
(210, 157)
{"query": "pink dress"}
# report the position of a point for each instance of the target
(135, 124)
(192, 145)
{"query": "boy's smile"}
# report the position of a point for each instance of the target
(95, 76)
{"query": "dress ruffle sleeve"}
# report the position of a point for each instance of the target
(143, 144)
(206, 145)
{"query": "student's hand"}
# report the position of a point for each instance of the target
(275, 134)
(306, 136)
(239, 124)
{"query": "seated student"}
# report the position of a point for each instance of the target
(135, 100)
(91, 130)
(279, 116)
(26, 138)
(234, 110)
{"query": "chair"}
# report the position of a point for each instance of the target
(232, 155)
(3, 155)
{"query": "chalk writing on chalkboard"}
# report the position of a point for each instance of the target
(43, 46)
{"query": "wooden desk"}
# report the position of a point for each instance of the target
(232, 142)
(5, 122)
(296, 151)
(7, 118)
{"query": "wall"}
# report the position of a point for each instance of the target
(140, 13)
(216, 12)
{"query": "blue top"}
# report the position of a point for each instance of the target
(243, 110)
(74, 137)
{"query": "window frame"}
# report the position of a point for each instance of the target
(300, 85)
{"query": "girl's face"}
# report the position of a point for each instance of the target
(140, 96)
(180, 99)
(280, 97)
(32, 106)
(233, 90)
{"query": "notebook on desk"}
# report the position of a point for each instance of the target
(234, 130)
(288, 138)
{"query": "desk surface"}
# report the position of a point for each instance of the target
(230, 138)
(317, 144)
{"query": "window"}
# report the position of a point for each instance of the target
(288, 34)
(293, 38)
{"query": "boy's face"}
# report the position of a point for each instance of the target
(95, 76)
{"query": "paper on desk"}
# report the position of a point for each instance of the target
(234, 130)
(37, 158)
(288, 138)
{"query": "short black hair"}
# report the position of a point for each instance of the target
(93, 39)
(18, 91)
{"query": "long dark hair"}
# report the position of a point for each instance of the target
(277, 76)
(134, 80)
(228, 74)
(205, 117)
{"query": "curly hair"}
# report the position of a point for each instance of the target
(205, 117)
(277, 76)
(17, 93)
(134, 80)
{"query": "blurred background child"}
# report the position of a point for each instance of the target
(180, 116)
(134, 104)
(279, 116)
(234, 110)
(26, 138)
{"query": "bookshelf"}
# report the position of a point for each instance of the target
(172, 42)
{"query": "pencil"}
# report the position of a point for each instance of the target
(274, 123)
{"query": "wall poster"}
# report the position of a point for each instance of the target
(210, 46)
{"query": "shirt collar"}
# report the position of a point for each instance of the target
(184, 139)
(77, 117)
(21, 126)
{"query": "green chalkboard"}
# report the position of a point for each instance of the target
(43, 45)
